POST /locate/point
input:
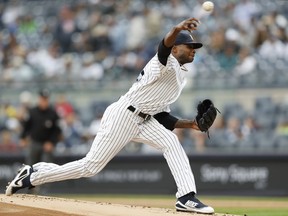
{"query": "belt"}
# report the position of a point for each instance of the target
(142, 115)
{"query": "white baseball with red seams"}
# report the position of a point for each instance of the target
(208, 6)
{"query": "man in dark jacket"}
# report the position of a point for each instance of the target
(41, 130)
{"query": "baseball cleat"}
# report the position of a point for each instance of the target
(22, 180)
(192, 204)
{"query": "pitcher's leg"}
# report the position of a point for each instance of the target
(116, 130)
(118, 126)
(159, 137)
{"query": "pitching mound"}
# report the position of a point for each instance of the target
(31, 205)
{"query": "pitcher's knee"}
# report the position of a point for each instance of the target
(88, 173)
(92, 167)
(171, 142)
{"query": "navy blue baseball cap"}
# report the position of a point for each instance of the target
(186, 38)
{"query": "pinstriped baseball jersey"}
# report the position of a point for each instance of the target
(157, 86)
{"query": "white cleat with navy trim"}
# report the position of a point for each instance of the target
(189, 203)
(22, 180)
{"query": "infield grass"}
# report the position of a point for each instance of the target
(244, 206)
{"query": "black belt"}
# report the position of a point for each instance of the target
(142, 115)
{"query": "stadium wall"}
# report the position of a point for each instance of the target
(234, 174)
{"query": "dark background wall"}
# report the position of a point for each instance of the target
(214, 175)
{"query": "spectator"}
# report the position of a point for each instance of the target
(73, 132)
(25, 99)
(246, 62)
(72, 66)
(176, 9)
(65, 29)
(91, 70)
(27, 24)
(248, 127)
(272, 43)
(21, 71)
(137, 31)
(63, 107)
(243, 12)
(8, 144)
(233, 131)
(228, 57)
(99, 37)
(199, 139)
(47, 61)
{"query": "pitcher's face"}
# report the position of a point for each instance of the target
(184, 53)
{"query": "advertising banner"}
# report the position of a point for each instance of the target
(237, 175)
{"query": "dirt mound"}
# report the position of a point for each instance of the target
(30, 205)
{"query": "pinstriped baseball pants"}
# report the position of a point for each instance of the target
(118, 127)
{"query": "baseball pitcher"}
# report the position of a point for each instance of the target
(134, 118)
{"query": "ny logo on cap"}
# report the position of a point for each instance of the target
(191, 37)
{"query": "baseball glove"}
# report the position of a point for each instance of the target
(206, 115)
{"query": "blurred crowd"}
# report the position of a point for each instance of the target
(75, 42)
(71, 41)
(236, 129)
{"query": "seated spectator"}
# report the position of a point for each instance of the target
(248, 127)
(25, 99)
(47, 61)
(63, 107)
(228, 57)
(91, 70)
(7, 143)
(272, 43)
(199, 140)
(233, 131)
(73, 131)
(21, 72)
(65, 29)
(246, 62)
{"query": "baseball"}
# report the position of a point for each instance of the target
(208, 6)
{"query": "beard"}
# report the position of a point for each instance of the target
(183, 59)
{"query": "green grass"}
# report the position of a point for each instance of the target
(272, 199)
(282, 210)
(254, 211)
(277, 206)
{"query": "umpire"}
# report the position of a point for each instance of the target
(41, 130)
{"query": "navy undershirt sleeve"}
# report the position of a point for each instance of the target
(163, 52)
(167, 120)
